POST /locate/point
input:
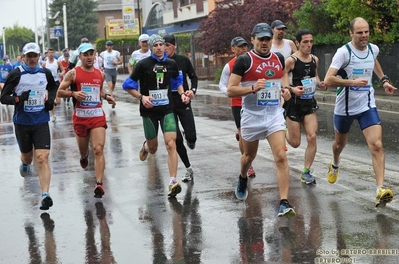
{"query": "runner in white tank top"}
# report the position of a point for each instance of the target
(57, 70)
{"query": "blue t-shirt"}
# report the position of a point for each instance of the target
(15, 65)
(4, 71)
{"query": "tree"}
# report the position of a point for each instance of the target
(237, 18)
(313, 15)
(81, 20)
(17, 37)
(382, 16)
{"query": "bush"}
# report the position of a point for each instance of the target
(218, 74)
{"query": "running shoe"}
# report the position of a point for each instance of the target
(307, 178)
(332, 173)
(188, 176)
(99, 191)
(383, 197)
(251, 172)
(84, 161)
(286, 210)
(174, 189)
(190, 145)
(143, 153)
(241, 190)
(54, 119)
(24, 169)
(47, 202)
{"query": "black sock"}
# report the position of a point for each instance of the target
(243, 179)
(99, 183)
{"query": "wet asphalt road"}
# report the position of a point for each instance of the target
(135, 222)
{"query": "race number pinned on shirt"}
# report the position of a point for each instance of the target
(364, 74)
(35, 102)
(160, 97)
(92, 96)
(309, 86)
(270, 95)
(4, 74)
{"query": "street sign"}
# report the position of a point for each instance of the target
(58, 32)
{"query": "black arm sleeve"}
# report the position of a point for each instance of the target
(192, 75)
(281, 58)
(51, 85)
(8, 94)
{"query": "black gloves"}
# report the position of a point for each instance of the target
(24, 96)
(49, 104)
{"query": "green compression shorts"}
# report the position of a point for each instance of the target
(151, 124)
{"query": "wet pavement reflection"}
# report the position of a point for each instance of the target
(135, 221)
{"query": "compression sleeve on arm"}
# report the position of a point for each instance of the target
(129, 83)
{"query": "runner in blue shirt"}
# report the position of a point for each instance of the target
(5, 69)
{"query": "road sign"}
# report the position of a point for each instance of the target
(58, 32)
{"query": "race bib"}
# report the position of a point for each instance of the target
(361, 73)
(160, 97)
(270, 95)
(35, 102)
(87, 113)
(92, 96)
(4, 74)
(309, 86)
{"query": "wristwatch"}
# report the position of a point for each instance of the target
(140, 97)
(384, 79)
(194, 90)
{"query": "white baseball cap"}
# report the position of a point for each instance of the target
(31, 47)
(144, 37)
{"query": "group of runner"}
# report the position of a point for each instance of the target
(276, 82)
(272, 86)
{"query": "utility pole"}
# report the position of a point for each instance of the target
(36, 36)
(139, 13)
(47, 26)
(65, 26)
(4, 41)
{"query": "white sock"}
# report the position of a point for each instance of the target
(190, 168)
(378, 187)
(172, 180)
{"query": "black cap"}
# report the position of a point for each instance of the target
(170, 38)
(238, 41)
(109, 43)
(84, 40)
(262, 30)
(66, 54)
(278, 24)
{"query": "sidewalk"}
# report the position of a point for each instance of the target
(384, 101)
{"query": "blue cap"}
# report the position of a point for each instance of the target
(109, 43)
(262, 30)
(84, 47)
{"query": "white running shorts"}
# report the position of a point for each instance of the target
(258, 127)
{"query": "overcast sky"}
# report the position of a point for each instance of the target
(21, 12)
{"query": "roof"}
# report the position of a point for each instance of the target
(108, 5)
